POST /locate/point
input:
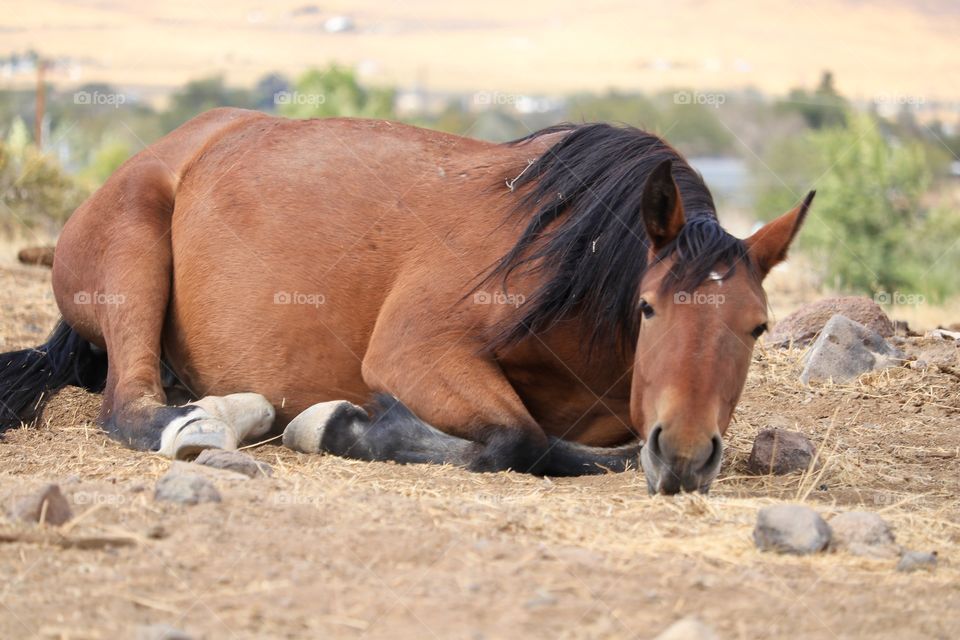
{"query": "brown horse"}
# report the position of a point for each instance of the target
(544, 305)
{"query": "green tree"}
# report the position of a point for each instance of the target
(824, 107)
(334, 92)
(870, 227)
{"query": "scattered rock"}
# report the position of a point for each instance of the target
(234, 461)
(689, 628)
(943, 334)
(42, 256)
(791, 528)
(846, 349)
(778, 451)
(917, 560)
(185, 487)
(47, 504)
(801, 327)
(157, 532)
(161, 632)
(862, 533)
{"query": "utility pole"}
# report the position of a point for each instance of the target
(41, 104)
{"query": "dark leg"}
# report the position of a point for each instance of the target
(389, 431)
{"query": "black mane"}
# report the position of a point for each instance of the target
(587, 189)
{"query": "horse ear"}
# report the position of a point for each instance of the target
(661, 207)
(768, 246)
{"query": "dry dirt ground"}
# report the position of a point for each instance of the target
(336, 548)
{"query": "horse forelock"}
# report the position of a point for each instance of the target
(585, 240)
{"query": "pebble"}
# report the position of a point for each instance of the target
(779, 452)
(791, 528)
(30, 507)
(688, 628)
(845, 350)
(184, 487)
(863, 533)
(234, 461)
(161, 632)
(917, 560)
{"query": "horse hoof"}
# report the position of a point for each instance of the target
(305, 432)
(206, 433)
(250, 414)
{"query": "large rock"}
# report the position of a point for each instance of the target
(845, 350)
(802, 326)
(863, 533)
(47, 504)
(778, 451)
(791, 528)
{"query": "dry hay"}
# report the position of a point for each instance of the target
(336, 547)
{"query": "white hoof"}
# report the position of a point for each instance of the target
(204, 434)
(250, 414)
(305, 432)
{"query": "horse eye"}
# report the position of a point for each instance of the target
(645, 309)
(759, 331)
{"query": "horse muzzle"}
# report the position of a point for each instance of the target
(670, 469)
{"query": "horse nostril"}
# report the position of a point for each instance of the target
(715, 455)
(654, 442)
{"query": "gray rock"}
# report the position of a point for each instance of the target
(778, 451)
(917, 560)
(846, 349)
(234, 461)
(185, 487)
(161, 632)
(863, 533)
(688, 628)
(47, 503)
(791, 528)
(802, 326)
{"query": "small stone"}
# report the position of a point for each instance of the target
(157, 532)
(862, 533)
(47, 503)
(234, 461)
(185, 487)
(780, 452)
(689, 628)
(791, 528)
(161, 632)
(845, 350)
(917, 560)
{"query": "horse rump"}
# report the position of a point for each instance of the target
(26, 376)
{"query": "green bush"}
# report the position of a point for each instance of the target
(870, 228)
(34, 190)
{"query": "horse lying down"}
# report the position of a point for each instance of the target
(544, 305)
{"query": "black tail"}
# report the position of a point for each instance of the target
(26, 376)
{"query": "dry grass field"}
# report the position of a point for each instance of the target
(335, 548)
(887, 49)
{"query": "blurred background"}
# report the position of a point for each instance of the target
(860, 100)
